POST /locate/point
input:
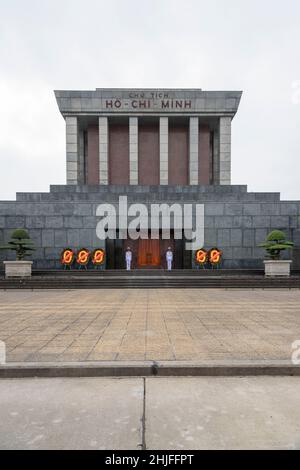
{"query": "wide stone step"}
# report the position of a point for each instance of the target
(147, 272)
(69, 282)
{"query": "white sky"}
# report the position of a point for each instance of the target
(252, 46)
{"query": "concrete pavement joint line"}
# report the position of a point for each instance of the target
(144, 446)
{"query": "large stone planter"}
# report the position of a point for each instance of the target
(17, 268)
(277, 267)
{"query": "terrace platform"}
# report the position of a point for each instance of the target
(204, 326)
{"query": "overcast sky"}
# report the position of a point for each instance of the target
(246, 45)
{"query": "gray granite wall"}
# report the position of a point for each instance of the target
(235, 220)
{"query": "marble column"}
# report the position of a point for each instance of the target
(72, 149)
(225, 150)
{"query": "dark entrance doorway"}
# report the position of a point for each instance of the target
(147, 253)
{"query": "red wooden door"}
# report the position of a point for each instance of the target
(149, 253)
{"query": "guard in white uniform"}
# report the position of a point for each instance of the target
(128, 257)
(169, 258)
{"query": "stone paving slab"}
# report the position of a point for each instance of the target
(151, 324)
(71, 414)
(223, 413)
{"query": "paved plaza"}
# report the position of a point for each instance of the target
(154, 413)
(138, 324)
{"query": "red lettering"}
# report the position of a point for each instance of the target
(113, 104)
(142, 104)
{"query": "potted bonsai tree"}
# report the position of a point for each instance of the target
(276, 243)
(20, 243)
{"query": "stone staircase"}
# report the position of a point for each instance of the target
(156, 279)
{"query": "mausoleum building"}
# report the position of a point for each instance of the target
(153, 146)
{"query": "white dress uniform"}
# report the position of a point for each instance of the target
(128, 257)
(169, 258)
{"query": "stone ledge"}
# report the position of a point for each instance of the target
(149, 369)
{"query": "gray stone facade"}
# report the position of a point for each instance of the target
(236, 220)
